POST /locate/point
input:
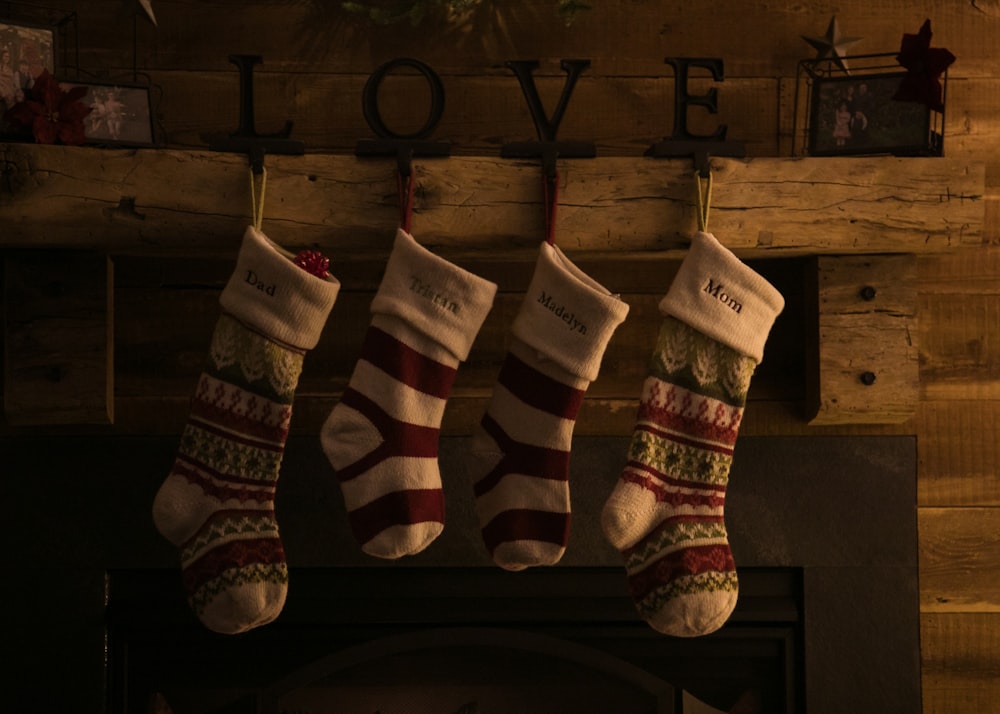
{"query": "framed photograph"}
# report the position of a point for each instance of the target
(25, 52)
(856, 114)
(119, 113)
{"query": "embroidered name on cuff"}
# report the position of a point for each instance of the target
(562, 313)
(427, 291)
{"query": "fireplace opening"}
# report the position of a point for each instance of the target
(471, 670)
(422, 641)
(823, 530)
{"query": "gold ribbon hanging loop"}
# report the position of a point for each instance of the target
(704, 185)
(257, 206)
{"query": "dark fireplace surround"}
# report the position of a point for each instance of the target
(823, 530)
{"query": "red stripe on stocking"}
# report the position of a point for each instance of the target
(538, 390)
(649, 478)
(525, 524)
(219, 485)
(405, 364)
(519, 458)
(229, 556)
(229, 422)
(680, 563)
(683, 439)
(398, 438)
(237, 438)
(666, 525)
(723, 427)
(395, 509)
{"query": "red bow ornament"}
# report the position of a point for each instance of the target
(313, 262)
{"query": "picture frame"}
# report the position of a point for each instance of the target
(26, 50)
(855, 114)
(121, 114)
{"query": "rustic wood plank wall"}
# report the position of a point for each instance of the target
(316, 61)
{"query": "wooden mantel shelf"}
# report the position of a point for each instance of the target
(171, 202)
(861, 219)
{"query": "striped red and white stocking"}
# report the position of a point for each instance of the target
(665, 513)
(217, 503)
(382, 437)
(521, 448)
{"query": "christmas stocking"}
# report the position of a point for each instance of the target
(666, 511)
(382, 437)
(520, 449)
(217, 504)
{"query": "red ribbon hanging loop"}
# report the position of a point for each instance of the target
(404, 187)
(551, 187)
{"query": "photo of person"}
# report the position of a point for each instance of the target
(25, 52)
(842, 124)
(107, 113)
(119, 114)
(860, 108)
(851, 115)
(8, 84)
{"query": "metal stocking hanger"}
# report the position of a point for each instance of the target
(245, 139)
(548, 148)
(403, 146)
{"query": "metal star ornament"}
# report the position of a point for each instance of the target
(147, 5)
(832, 45)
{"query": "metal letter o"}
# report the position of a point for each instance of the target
(369, 101)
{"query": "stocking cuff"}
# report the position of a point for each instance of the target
(718, 295)
(271, 294)
(438, 299)
(567, 316)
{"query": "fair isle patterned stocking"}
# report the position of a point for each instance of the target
(521, 448)
(666, 511)
(217, 504)
(382, 437)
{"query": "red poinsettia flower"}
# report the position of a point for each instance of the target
(924, 65)
(51, 113)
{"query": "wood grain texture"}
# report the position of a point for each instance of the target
(959, 339)
(960, 347)
(960, 663)
(865, 329)
(960, 273)
(58, 339)
(959, 559)
(622, 36)
(959, 452)
(184, 202)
